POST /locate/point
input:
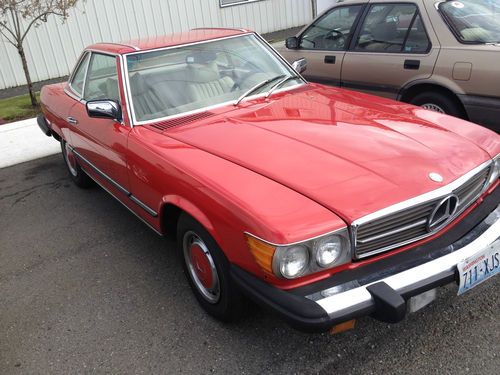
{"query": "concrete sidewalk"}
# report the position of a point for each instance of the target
(24, 141)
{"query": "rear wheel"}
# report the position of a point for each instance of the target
(207, 271)
(438, 102)
(76, 173)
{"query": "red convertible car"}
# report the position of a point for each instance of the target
(320, 203)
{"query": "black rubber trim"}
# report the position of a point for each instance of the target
(42, 124)
(412, 257)
(299, 312)
(390, 306)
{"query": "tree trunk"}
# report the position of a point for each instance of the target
(314, 6)
(34, 102)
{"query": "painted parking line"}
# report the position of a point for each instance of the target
(23, 141)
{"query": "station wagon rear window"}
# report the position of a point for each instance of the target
(473, 21)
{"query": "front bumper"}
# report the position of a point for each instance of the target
(382, 288)
(43, 125)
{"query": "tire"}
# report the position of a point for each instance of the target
(76, 173)
(439, 102)
(207, 271)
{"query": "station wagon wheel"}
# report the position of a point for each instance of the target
(76, 173)
(207, 270)
(440, 102)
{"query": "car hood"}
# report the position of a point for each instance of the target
(352, 153)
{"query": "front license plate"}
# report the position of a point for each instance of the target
(480, 267)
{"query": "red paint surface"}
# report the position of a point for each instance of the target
(297, 165)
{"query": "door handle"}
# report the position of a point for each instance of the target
(330, 59)
(412, 64)
(72, 120)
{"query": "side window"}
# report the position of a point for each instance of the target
(417, 40)
(332, 31)
(79, 76)
(102, 78)
(393, 28)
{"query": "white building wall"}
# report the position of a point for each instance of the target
(53, 47)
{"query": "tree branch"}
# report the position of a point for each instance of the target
(7, 37)
(3, 25)
(36, 19)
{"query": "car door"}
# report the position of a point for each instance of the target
(101, 142)
(324, 43)
(392, 46)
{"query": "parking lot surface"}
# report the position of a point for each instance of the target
(85, 287)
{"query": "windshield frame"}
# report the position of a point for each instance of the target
(451, 26)
(128, 92)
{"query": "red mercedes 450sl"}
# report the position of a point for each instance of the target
(320, 203)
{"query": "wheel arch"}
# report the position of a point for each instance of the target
(171, 209)
(412, 89)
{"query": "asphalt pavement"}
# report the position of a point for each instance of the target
(85, 287)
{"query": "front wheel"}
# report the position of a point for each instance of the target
(207, 271)
(76, 173)
(438, 102)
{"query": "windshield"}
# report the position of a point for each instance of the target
(473, 21)
(187, 78)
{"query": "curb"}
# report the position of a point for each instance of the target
(23, 141)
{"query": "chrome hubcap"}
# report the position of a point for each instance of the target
(70, 160)
(201, 267)
(433, 107)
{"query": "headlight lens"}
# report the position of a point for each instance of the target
(302, 258)
(293, 260)
(327, 249)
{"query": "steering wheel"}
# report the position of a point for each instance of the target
(335, 36)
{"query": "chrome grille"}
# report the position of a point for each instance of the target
(409, 224)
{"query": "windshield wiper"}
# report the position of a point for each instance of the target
(256, 87)
(279, 84)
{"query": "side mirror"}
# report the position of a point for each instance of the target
(104, 109)
(300, 65)
(292, 42)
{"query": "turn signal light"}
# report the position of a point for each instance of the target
(262, 252)
(342, 327)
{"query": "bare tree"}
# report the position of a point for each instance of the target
(17, 17)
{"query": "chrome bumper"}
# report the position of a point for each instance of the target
(380, 289)
(343, 303)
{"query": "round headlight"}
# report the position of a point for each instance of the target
(293, 261)
(328, 250)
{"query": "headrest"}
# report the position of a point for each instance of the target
(201, 57)
(386, 31)
(201, 73)
(138, 85)
(112, 89)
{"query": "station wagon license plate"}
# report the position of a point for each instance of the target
(478, 268)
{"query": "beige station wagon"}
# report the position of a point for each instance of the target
(441, 55)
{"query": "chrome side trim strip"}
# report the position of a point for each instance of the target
(359, 297)
(101, 173)
(145, 207)
(128, 208)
